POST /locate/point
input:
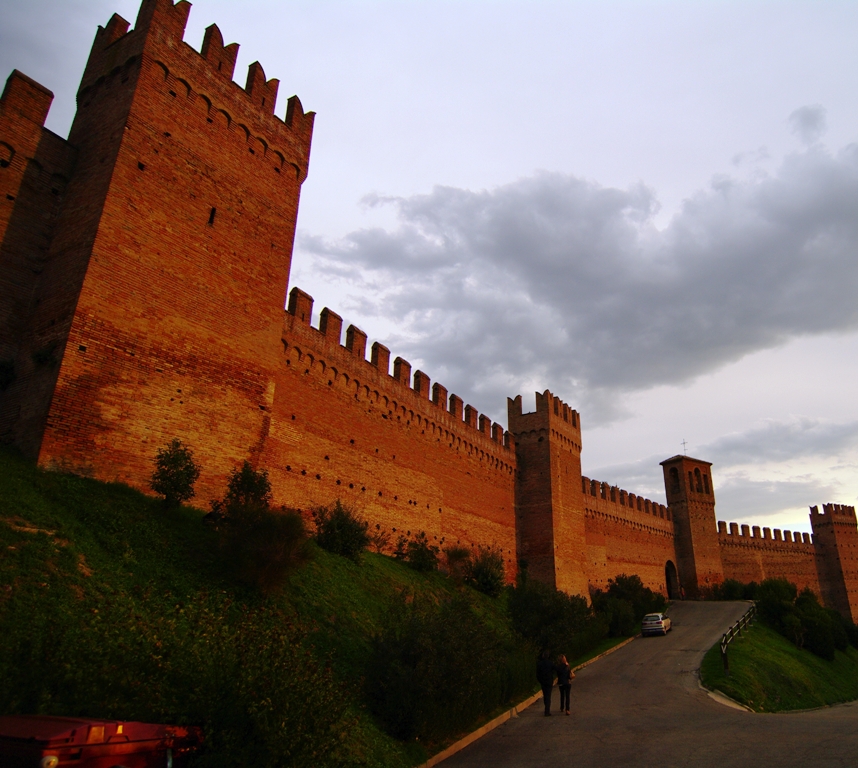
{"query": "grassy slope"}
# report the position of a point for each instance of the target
(108, 563)
(769, 674)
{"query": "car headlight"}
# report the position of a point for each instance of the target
(49, 761)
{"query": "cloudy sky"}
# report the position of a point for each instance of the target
(650, 208)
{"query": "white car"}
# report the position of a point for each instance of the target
(655, 624)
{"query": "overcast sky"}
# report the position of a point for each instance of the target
(650, 208)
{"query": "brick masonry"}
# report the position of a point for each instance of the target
(144, 264)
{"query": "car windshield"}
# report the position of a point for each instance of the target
(652, 618)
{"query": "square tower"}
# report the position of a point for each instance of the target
(549, 506)
(835, 539)
(691, 498)
(161, 304)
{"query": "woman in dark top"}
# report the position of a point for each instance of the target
(564, 682)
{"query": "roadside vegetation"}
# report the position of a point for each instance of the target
(769, 674)
(279, 632)
(798, 655)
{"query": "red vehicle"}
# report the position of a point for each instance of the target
(35, 741)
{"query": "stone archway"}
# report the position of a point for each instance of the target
(671, 580)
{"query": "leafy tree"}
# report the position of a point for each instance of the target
(457, 559)
(554, 621)
(340, 530)
(175, 473)
(262, 545)
(485, 571)
(417, 552)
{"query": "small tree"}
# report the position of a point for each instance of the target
(340, 530)
(262, 545)
(458, 560)
(175, 473)
(417, 552)
(485, 571)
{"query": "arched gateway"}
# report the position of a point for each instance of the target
(671, 580)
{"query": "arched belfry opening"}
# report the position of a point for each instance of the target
(671, 580)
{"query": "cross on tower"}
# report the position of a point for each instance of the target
(684, 447)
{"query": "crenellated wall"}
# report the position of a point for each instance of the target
(626, 534)
(174, 248)
(144, 264)
(408, 456)
(749, 554)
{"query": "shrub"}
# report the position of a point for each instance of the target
(457, 559)
(484, 571)
(642, 599)
(261, 545)
(340, 530)
(379, 539)
(775, 600)
(436, 668)
(730, 589)
(554, 621)
(418, 552)
(618, 613)
(175, 473)
(246, 488)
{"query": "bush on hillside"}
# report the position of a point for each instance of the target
(260, 544)
(803, 620)
(436, 667)
(625, 602)
(457, 560)
(729, 589)
(242, 675)
(175, 473)
(554, 621)
(339, 529)
(485, 571)
(417, 552)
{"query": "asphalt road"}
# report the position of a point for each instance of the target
(642, 706)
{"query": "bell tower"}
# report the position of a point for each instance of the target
(691, 498)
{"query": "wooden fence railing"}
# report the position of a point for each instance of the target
(735, 630)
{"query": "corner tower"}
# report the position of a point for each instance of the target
(691, 498)
(835, 539)
(549, 506)
(162, 301)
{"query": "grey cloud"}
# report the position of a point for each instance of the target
(808, 123)
(556, 281)
(781, 441)
(741, 497)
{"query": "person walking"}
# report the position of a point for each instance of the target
(564, 682)
(545, 672)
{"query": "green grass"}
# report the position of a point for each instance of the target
(113, 606)
(769, 674)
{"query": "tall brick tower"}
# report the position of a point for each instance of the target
(691, 498)
(835, 538)
(549, 506)
(159, 309)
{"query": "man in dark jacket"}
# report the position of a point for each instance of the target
(545, 671)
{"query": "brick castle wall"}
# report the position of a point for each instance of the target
(144, 264)
(626, 534)
(346, 427)
(750, 555)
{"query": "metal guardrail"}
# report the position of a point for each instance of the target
(735, 630)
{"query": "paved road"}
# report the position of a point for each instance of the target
(642, 706)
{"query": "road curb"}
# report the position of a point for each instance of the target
(510, 713)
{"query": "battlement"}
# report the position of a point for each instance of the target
(25, 98)
(156, 45)
(840, 513)
(552, 417)
(611, 494)
(756, 536)
(418, 386)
